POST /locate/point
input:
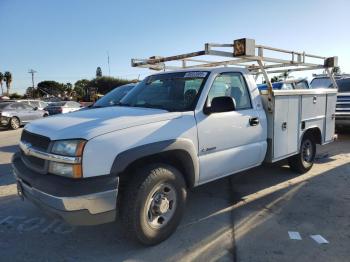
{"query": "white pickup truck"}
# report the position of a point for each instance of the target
(174, 131)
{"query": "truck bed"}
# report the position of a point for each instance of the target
(293, 112)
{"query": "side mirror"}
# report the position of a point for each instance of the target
(221, 104)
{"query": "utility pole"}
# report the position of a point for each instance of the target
(32, 72)
(109, 69)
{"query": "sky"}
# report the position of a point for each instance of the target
(65, 40)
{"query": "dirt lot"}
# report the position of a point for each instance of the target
(242, 218)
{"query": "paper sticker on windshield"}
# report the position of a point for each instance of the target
(195, 74)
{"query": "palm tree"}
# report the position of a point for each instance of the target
(68, 89)
(8, 81)
(98, 72)
(1, 79)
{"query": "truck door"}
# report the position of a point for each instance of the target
(229, 141)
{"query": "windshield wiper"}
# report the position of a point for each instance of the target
(147, 105)
(122, 104)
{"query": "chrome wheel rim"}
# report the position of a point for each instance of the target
(160, 206)
(307, 152)
(14, 123)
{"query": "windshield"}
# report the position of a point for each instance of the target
(301, 85)
(172, 91)
(343, 85)
(113, 97)
(323, 82)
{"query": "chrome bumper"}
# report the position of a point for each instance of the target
(92, 209)
(342, 119)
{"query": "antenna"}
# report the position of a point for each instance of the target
(32, 72)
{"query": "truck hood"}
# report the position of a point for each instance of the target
(87, 124)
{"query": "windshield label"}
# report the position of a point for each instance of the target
(195, 74)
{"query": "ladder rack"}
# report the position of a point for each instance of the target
(244, 53)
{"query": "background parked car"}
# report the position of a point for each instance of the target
(35, 103)
(62, 107)
(15, 114)
(288, 84)
(342, 111)
(113, 97)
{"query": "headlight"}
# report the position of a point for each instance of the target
(69, 147)
(67, 170)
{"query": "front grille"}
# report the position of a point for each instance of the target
(342, 110)
(343, 98)
(37, 141)
(34, 161)
(343, 106)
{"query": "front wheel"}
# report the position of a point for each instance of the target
(153, 203)
(304, 161)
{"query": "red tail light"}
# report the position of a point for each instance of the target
(60, 109)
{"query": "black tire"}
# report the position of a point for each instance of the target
(303, 162)
(14, 123)
(45, 115)
(141, 203)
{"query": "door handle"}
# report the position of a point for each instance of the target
(284, 126)
(253, 121)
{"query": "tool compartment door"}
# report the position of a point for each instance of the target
(313, 106)
(286, 125)
(330, 117)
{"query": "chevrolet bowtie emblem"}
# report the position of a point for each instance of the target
(26, 147)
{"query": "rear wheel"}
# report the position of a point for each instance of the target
(153, 203)
(304, 161)
(14, 123)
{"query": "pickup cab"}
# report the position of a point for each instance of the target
(174, 131)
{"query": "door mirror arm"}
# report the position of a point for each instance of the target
(207, 110)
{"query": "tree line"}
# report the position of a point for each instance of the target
(82, 89)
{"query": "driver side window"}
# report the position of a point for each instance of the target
(233, 85)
